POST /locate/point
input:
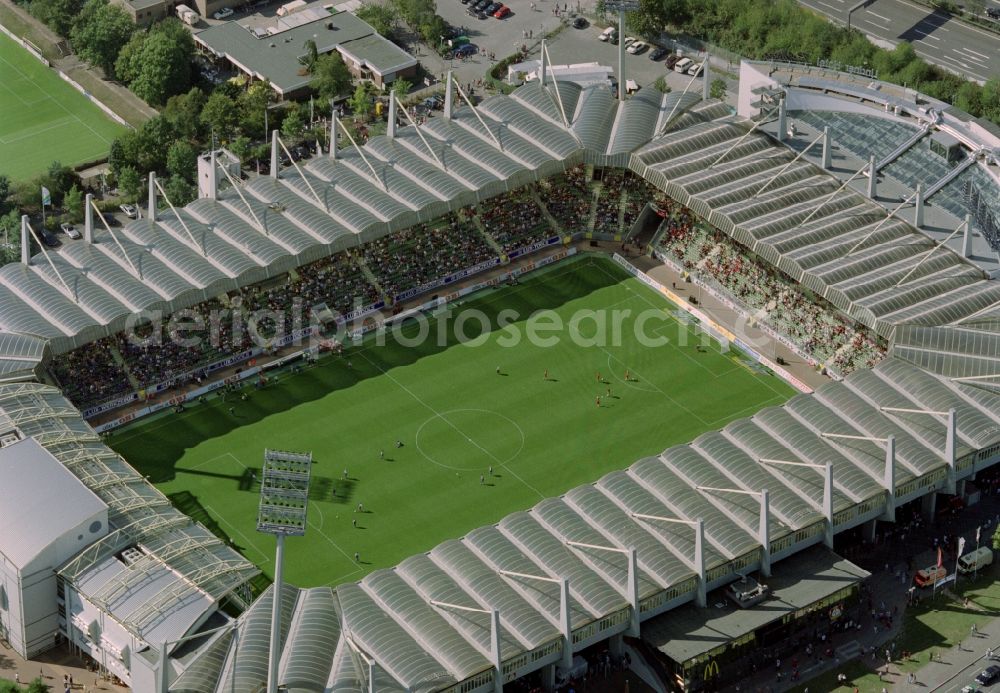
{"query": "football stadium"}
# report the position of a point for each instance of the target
(553, 380)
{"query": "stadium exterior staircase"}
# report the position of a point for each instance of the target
(120, 360)
(553, 224)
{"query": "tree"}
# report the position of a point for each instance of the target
(179, 191)
(240, 147)
(10, 237)
(37, 686)
(73, 204)
(311, 55)
(129, 183)
(717, 89)
(220, 115)
(252, 105)
(661, 84)
(401, 88)
(157, 64)
(331, 78)
(4, 192)
(382, 18)
(152, 141)
(58, 14)
(360, 102)
(58, 179)
(182, 160)
(100, 32)
(291, 126)
(183, 112)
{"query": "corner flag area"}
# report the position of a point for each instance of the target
(44, 119)
(404, 434)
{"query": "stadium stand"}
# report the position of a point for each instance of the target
(388, 631)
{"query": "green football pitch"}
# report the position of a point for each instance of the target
(456, 417)
(43, 119)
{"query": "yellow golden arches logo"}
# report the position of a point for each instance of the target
(711, 669)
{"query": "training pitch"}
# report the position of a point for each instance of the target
(455, 417)
(43, 119)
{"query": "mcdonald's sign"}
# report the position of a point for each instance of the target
(711, 670)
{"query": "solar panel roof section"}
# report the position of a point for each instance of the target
(869, 421)
(551, 140)
(566, 524)
(246, 668)
(230, 219)
(850, 479)
(952, 352)
(472, 174)
(594, 118)
(544, 547)
(315, 629)
(632, 497)
(362, 190)
(742, 471)
(730, 538)
(696, 470)
(619, 528)
(456, 639)
(867, 455)
(299, 224)
(496, 550)
(381, 638)
(190, 263)
(418, 165)
(519, 618)
(203, 673)
(807, 483)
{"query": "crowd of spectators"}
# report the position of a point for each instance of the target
(514, 220)
(91, 374)
(817, 328)
(609, 201)
(569, 199)
(418, 255)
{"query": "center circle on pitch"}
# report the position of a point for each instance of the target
(470, 439)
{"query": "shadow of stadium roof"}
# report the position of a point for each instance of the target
(835, 243)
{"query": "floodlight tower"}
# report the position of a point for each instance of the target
(284, 498)
(621, 6)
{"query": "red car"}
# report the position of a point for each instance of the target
(502, 12)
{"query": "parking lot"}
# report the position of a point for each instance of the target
(525, 25)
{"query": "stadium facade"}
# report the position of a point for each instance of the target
(605, 560)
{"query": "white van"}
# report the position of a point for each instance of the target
(694, 69)
(977, 560)
(607, 34)
(682, 65)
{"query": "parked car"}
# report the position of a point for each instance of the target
(695, 69)
(491, 8)
(672, 60)
(502, 12)
(629, 40)
(637, 47)
(993, 12)
(482, 5)
(464, 2)
(129, 211)
(224, 13)
(989, 675)
(975, 560)
(658, 53)
(70, 231)
(481, 15)
(580, 23)
(930, 575)
(607, 34)
(682, 65)
(466, 50)
(49, 239)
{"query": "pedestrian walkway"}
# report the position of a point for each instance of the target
(53, 667)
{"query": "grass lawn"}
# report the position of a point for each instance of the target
(456, 417)
(43, 119)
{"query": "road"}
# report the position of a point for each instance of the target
(935, 35)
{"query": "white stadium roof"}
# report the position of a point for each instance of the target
(702, 156)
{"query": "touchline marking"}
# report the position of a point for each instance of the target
(674, 401)
(489, 454)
